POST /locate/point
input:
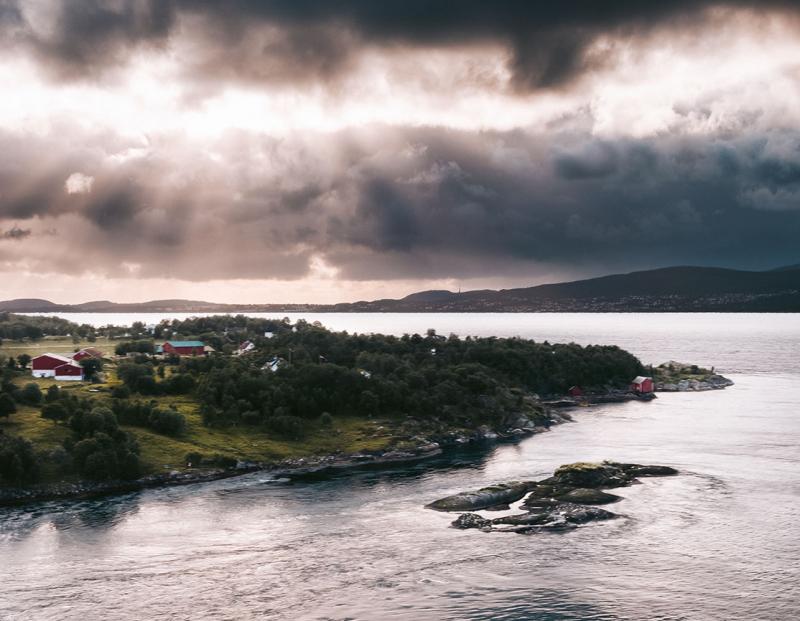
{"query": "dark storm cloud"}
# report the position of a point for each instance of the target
(382, 203)
(550, 43)
(89, 36)
(461, 208)
(116, 208)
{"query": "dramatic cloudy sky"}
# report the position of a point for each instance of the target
(308, 150)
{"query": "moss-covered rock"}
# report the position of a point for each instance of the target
(589, 474)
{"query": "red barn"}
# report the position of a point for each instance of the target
(88, 352)
(45, 365)
(642, 385)
(184, 348)
(69, 371)
(576, 391)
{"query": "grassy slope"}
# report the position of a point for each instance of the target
(54, 345)
(159, 452)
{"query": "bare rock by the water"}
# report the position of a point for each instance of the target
(649, 471)
(561, 502)
(500, 494)
(590, 475)
(471, 520)
(561, 516)
(675, 376)
(505, 507)
(588, 496)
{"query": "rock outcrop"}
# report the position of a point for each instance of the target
(500, 494)
(561, 502)
(675, 376)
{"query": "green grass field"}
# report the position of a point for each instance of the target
(56, 345)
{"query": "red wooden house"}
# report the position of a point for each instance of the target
(183, 348)
(642, 385)
(69, 371)
(45, 365)
(576, 391)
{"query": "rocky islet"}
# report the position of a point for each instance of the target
(562, 502)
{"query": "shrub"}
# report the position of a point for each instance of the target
(168, 422)
(18, 462)
(105, 456)
(121, 392)
(143, 414)
(193, 459)
(141, 347)
(55, 411)
(30, 394)
(53, 394)
(92, 367)
(99, 420)
(290, 426)
(223, 461)
(7, 405)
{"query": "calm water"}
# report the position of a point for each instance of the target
(722, 541)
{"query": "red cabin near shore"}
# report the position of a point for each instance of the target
(642, 385)
(576, 391)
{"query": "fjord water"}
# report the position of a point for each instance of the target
(720, 541)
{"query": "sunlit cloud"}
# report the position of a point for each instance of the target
(78, 183)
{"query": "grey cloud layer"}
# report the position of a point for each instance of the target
(404, 203)
(550, 43)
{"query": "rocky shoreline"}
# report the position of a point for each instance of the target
(562, 502)
(416, 442)
(713, 382)
(414, 448)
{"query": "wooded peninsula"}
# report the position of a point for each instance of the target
(258, 392)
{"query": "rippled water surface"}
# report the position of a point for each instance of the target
(721, 541)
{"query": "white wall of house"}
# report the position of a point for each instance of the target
(69, 378)
(43, 372)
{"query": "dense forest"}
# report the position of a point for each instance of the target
(301, 373)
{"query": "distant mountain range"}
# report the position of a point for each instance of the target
(671, 289)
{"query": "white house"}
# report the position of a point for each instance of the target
(245, 347)
(273, 364)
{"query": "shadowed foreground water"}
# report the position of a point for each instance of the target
(721, 541)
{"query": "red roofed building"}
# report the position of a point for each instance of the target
(88, 352)
(69, 372)
(184, 348)
(642, 385)
(576, 391)
(46, 364)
